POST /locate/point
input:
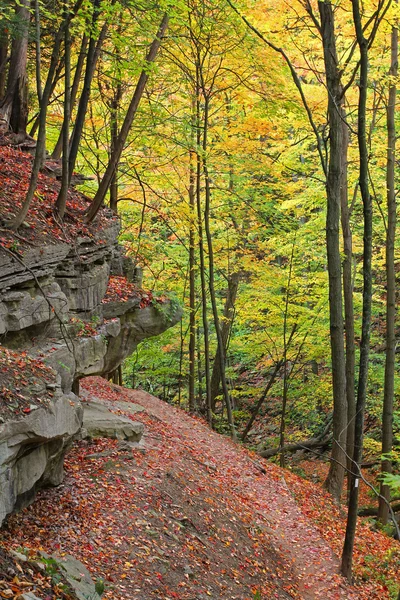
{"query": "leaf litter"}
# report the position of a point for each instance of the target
(191, 516)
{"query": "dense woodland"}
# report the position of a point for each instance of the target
(249, 149)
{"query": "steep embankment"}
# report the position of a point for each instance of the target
(189, 515)
(71, 306)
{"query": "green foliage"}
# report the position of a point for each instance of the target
(155, 366)
(393, 481)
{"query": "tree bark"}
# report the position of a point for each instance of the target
(229, 311)
(99, 198)
(347, 556)
(56, 154)
(306, 445)
(202, 253)
(14, 106)
(41, 141)
(221, 353)
(388, 392)
(93, 54)
(348, 299)
(4, 42)
(192, 268)
(371, 511)
(38, 57)
(335, 479)
(115, 104)
(61, 201)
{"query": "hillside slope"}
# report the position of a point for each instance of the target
(190, 516)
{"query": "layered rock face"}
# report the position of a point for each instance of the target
(51, 307)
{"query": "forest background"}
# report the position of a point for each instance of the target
(249, 149)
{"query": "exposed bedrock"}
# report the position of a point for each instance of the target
(52, 307)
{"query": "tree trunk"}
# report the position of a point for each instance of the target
(61, 201)
(348, 300)
(192, 272)
(286, 373)
(14, 106)
(335, 479)
(347, 556)
(221, 353)
(310, 444)
(229, 311)
(199, 368)
(93, 54)
(114, 140)
(388, 393)
(202, 255)
(129, 117)
(4, 42)
(56, 154)
(372, 511)
(38, 58)
(41, 141)
(57, 77)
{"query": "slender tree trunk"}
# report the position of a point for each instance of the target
(38, 57)
(285, 361)
(192, 275)
(282, 428)
(229, 311)
(348, 300)
(61, 201)
(347, 556)
(335, 479)
(114, 140)
(199, 368)
(181, 349)
(56, 154)
(41, 141)
(84, 98)
(129, 117)
(202, 256)
(4, 42)
(221, 352)
(95, 45)
(14, 106)
(56, 79)
(388, 392)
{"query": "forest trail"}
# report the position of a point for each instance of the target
(191, 516)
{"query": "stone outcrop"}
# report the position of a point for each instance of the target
(32, 451)
(51, 307)
(98, 422)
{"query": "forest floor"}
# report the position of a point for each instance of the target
(192, 516)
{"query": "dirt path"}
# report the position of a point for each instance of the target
(191, 517)
(314, 565)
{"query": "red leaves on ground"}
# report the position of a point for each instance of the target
(119, 289)
(22, 383)
(192, 517)
(40, 227)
